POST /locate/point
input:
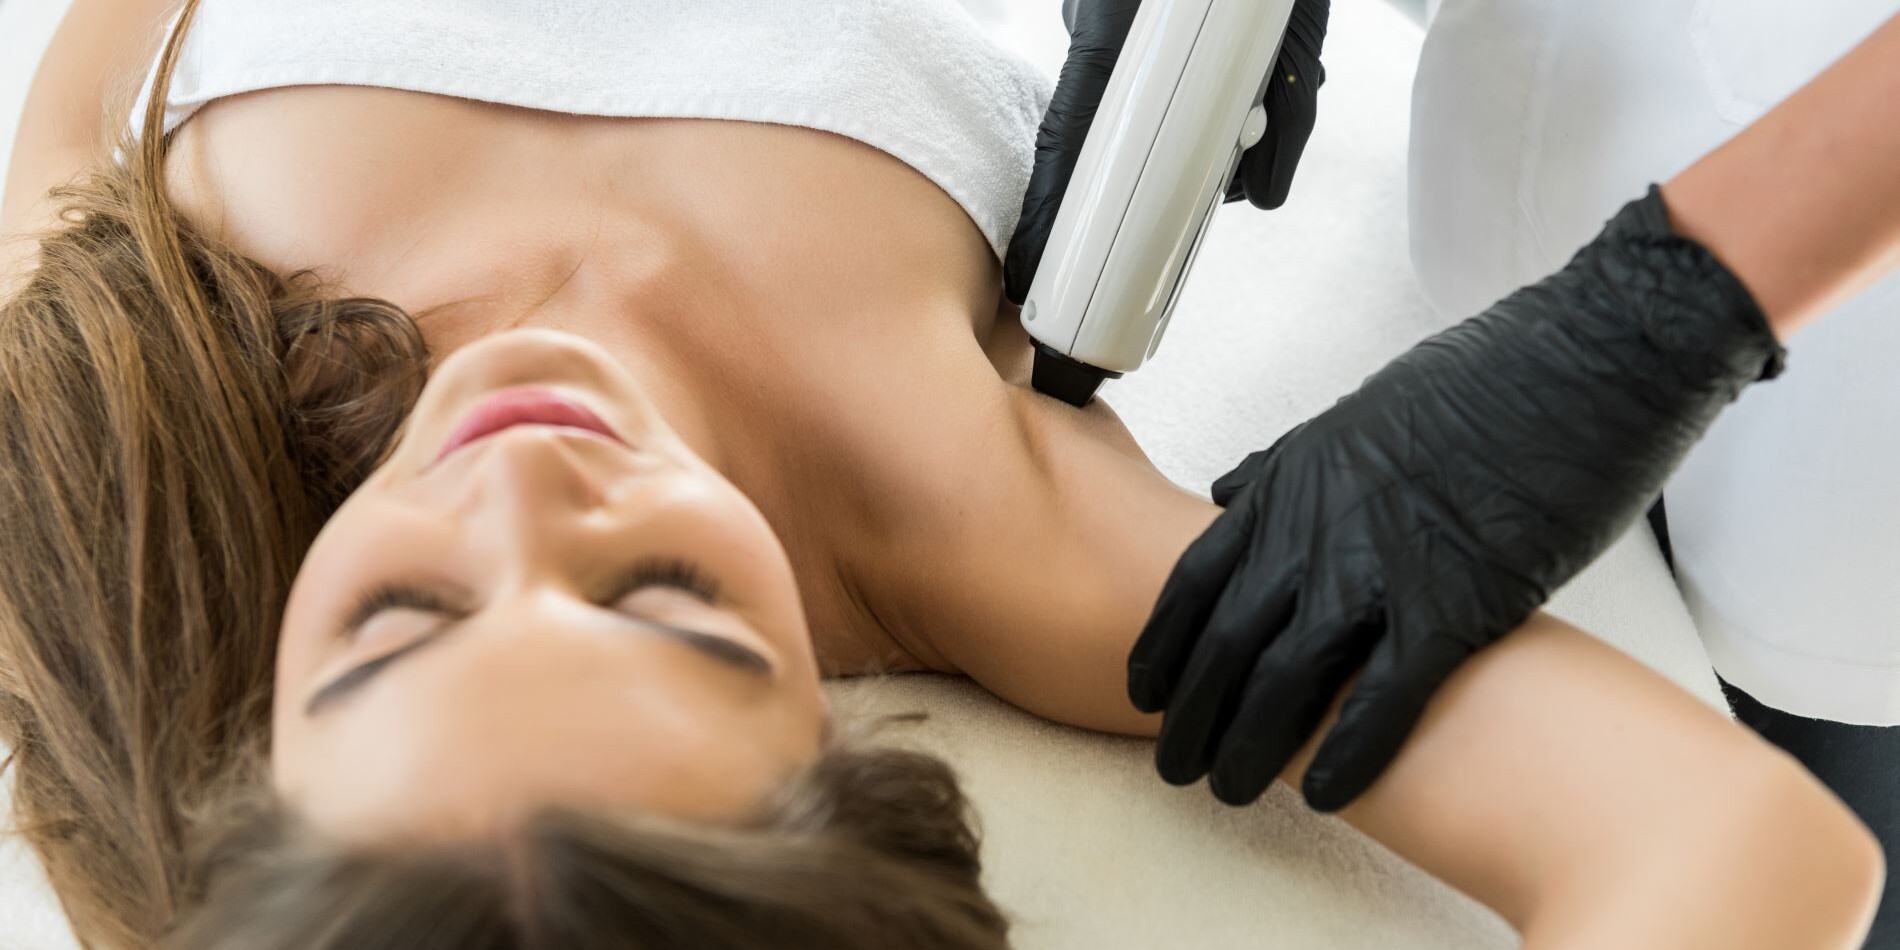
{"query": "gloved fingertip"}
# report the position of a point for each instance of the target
(1143, 692)
(1241, 773)
(1373, 725)
(1231, 792)
(1176, 772)
(1276, 194)
(1319, 795)
(1269, 184)
(1178, 756)
(1327, 789)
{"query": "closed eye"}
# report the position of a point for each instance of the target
(394, 597)
(666, 572)
(674, 572)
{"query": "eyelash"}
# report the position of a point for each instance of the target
(392, 597)
(656, 571)
(668, 572)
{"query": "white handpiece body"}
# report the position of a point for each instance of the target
(1181, 105)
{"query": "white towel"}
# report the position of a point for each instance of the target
(919, 79)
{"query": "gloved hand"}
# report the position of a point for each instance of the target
(1097, 30)
(1429, 512)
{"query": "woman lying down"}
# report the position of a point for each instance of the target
(300, 651)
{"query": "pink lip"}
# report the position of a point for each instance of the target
(525, 406)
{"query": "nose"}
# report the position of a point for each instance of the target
(528, 486)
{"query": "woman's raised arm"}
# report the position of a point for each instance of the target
(1594, 804)
(1588, 800)
(100, 46)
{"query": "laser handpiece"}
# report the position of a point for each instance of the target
(1182, 104)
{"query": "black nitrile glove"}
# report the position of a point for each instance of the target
(1430, 512)
(1097, 29)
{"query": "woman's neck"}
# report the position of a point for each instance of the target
(939, 513)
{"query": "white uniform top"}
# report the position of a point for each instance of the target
(1532, 122)
(919, 79)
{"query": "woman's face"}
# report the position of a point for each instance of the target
(542, 597)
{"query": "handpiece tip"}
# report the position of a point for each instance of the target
(1069, 380)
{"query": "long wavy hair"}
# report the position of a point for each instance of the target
(176, 423)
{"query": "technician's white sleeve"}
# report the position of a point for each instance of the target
(1532, 122)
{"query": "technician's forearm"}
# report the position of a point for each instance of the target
(1804, 205)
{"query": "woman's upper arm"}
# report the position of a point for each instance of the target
(1592, 803)
(100, 51)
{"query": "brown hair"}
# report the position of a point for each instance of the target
(176, 422)
(869, 850)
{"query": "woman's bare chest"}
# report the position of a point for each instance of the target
(423, 199)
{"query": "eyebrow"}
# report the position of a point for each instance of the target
(727, 652)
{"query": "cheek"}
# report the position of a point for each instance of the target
(304, 630)
(359, 541)
(291, 749)
(300, 644)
